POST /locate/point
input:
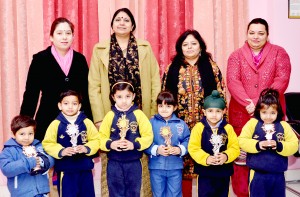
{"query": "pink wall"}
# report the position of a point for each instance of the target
(284, 32)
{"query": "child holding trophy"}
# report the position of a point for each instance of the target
(213, 146)
(24, 161)
(125, 132)
(171, 137)
(268, 142)
(72, 139)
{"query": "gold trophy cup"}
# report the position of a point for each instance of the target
(166, 133)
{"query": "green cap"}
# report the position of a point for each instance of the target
(214, 101)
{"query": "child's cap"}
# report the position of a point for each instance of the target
(214, 101)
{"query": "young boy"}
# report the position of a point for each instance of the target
(24, 161)
(213, 146)
(171, 137)
(72, 139)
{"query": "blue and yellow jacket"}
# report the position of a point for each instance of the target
(200, 148)
(268, 160)
(56, 139)
(139, 133)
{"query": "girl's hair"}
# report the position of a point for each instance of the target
(167, 98)
(269, 98)
(259, 21)
(70, 93)
(119, 86)
(58, 21)
(22, 121)
(127, 11)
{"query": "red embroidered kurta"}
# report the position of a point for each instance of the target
(245, 80)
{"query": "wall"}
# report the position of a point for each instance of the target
(284, 32)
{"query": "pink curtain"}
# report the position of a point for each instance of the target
(165, 20)
(223, 26)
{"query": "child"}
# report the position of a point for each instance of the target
(125, 132)
(24, 161)
(213, 146)
(268, 142)
(171, 136)
(72, 139)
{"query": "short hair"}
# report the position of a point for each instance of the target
(22, 121)
(58, 21)
(128, 12)
(70, 93)
(166, 97)
(259, 21)
(269, 98)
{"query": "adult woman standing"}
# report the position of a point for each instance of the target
(52, 71)
(191, 77)
(123, 57)
(257, 65)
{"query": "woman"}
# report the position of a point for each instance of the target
(191, 77)
(123, 57)
(257, 65)
(52, 71)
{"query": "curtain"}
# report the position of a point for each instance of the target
(25, 26)
(222, 24)
(165, 20)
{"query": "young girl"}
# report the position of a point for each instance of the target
(171, 137)
(268, 141)
(125, 132)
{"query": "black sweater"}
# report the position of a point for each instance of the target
(46, 76)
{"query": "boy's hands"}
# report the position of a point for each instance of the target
(69, 151)
(122, 145)
(218, 159)
(81, 149)
(267, 144)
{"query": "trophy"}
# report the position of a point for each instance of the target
(123, 125)
(29, 151)
(165, 132)
(217, 141)
(73, 132)
(269, 130)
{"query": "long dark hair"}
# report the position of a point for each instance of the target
(269, 98)
(204, 65)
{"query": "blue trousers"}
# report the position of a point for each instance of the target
(266, 184)
(213, 186)
(79, 184)
(166, 183)
(124, 179)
